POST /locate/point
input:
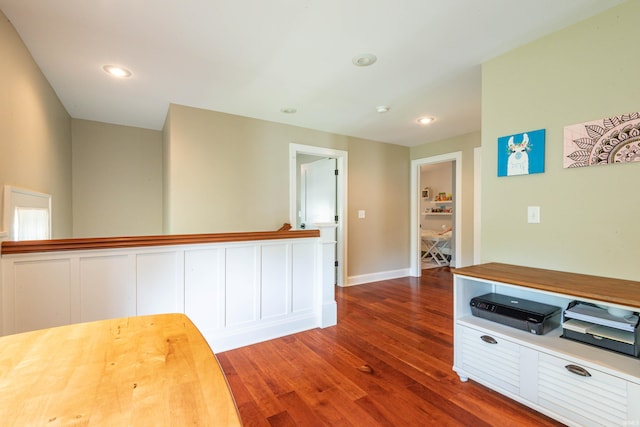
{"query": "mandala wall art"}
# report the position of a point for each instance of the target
(521, 154)
(602, 142)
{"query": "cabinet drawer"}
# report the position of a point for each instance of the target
(597, 399)
(491, 359)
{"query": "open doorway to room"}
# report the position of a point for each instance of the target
(436, 214)
(434, 205)
(301, 158)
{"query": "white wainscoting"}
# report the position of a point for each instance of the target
(236, 293)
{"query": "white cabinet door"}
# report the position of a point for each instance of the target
(586, 395)
(490, 359)
(634, 409)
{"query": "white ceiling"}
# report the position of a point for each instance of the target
(254, 57)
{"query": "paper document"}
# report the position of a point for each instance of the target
(599, 331)
(577, 326)
(601, 316)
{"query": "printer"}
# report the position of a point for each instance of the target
(531, 316)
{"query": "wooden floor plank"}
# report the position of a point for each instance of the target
(388, 362)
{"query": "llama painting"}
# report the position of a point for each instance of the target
(518, 160)
(521, 154)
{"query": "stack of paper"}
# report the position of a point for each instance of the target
(615, 334)
(593, 314)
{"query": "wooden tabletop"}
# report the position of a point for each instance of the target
(137, 371)
(617, 291)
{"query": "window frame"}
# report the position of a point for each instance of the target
(24, 198)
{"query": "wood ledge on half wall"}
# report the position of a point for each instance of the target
(31, 246)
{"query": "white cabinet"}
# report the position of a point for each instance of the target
(572, 382)
(492, 360)
(586, 395)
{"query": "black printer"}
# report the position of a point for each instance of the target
(531, 316)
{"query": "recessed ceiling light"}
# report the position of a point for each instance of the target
(425, 120)
(115, 71)
(289, 110)
(364, 60)
(382, 109)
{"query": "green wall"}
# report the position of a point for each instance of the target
(35, 131)
(379, 185)
(589, 216)
(117, 180)
(230, 173)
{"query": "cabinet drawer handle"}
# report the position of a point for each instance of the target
(578, 370)
(488, 339)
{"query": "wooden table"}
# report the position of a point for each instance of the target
(136, 371)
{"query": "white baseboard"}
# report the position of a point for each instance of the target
(329, 314)
(230, 339)
(376, 277)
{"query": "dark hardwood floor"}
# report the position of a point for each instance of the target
(387, 363)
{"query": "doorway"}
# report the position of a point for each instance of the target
(437, 214)
(305, 153)
(416, 213)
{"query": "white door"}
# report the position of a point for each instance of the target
(318, 193)
(302, 154)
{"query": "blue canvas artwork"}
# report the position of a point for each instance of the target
(521, 154)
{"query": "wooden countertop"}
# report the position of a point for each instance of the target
(617, 291)
(139, 371)
(87, 243)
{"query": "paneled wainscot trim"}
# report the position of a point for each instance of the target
(237, 288)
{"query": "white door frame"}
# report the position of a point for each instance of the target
(477, 206)
(415, 268)
(341, 202)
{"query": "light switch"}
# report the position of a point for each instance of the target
(361, 214)
(533, 214)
